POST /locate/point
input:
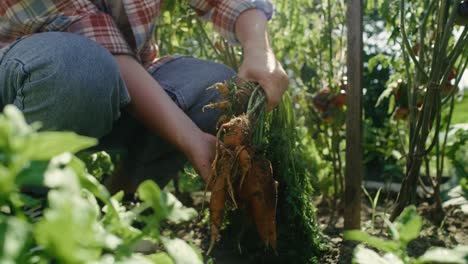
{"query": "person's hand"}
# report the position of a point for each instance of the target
(261, 66)
(202, 155)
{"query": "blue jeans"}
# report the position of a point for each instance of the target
(68, 82)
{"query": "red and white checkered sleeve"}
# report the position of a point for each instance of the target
(224, 13)
(22, 18)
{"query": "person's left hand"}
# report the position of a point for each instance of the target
(261, 66)
(202, 154)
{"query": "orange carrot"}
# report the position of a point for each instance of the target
(237, 131)
(244, 158)
(237, 164)
(218, 197)
(259, 192)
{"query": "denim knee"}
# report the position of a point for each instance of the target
(65, 81)
(207, 118)
(186, 80)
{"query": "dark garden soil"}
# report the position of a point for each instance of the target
(452, 231)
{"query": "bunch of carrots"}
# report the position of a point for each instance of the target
(242, 176)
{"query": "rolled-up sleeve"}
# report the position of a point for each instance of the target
(22, 18)
(224, 13)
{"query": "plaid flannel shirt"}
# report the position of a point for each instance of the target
(93, 19)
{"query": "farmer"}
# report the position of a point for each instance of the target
(91, 66)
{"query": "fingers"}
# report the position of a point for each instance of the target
(275, 87)
(203, 154)
(274, 82)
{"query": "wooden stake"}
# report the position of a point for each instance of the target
(353, 172)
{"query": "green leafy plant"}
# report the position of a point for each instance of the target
(406, 228)
(70, 225)
(457, 153)
(433, 57)
(373, 201)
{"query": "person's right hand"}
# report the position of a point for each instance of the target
(261, 66)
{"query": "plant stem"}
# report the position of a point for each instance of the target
(406, 41)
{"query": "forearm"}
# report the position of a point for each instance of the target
(154, 107)
(259, 63)
(251, 30)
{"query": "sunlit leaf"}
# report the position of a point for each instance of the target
(409, 224)
(46, 145)
(59, 175)
(181, 252)
(386, 246)
(33, 174)
(458, 255)
(160, 258)
(69, 229)
(177, 212)
(150, 193)
(14, 237)
(363, 255)
(16, 119)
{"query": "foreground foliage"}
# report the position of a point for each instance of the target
(78, 221)
(405, 229)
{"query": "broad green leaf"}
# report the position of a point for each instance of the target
(45, 145)
(105, 259)
(14, 237)
(386, 246)
(160, 258)
(180, 251)
(132, 259)
(409, 224)
(177, 212)
(136, 259)
(93, 185)
(150, 193)
(7, 179)
(120, 222)
(90, 183)
(70, 229)
(59, 175)
(411, 229)
(16, 119)
(196, 250)
(33, 174)
(458, 255)
(363, 255)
